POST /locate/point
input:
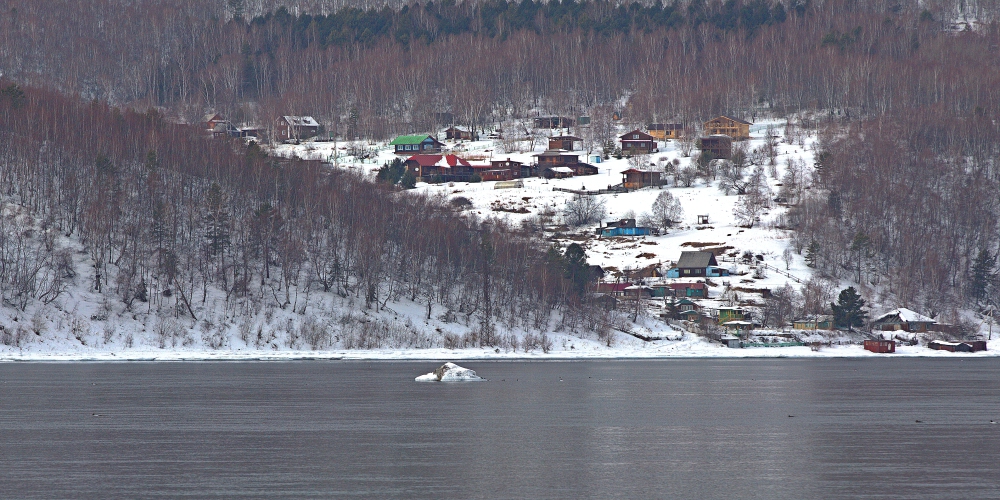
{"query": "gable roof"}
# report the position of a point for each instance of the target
(905, 315)
(300, 121)
(411, 139)
(444, 161)
(737, 120)
(565, 138)
(696, 259)
(643, 136)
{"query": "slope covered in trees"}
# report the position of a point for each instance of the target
(170, 220)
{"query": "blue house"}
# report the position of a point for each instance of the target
(624, 227)
(697, 265)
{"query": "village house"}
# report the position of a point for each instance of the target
(727, 125)
(518, 169)
(414, 144)
(903, 319)
(637, 142)
(459, 133)
(564, 142)
(814, 323)
(624, 227)
(295, 128)
(697, 264)
(694, 290)
(665, 131)
(727, 314)
(615, 289)
(719, 146)
(217, 126)
(557, 164)
(634, 178)
(439, 168)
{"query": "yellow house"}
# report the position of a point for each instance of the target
(727, 125)
(665, 131)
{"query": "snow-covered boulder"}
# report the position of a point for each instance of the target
(450, 372)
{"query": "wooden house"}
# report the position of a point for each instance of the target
(727, 125)
(564, 142)
(697, 264)
(416, 144)
(719, 146)
(295, 128)
(441, 168)
(556, 158)
(727, 314)
(519, 169)
(637, 142)
(634, 178)
(665, 131)
(814, 323)
(584, 169)
(903, 319)
(459, 133)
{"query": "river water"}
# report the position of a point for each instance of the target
(769, 429)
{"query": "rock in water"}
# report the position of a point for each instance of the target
(450, 372)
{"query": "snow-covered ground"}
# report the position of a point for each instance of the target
(83, 325)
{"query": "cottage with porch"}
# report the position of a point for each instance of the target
(459, 133)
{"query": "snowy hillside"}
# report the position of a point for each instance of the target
(84, 324)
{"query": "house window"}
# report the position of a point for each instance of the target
(687, 271)
(635, 136)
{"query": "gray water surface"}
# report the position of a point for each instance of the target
(769, 429)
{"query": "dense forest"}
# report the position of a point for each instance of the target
(905, 93)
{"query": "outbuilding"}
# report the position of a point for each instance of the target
(880, 345)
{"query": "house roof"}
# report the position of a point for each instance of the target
(301, 121)
(444, 161)
(565, 138)
(643, 136)
(696, 259)
(637, 171)
(459, 128)
(411, 139)
(562, 170)
(211, 117)
(737, 120)
(555, 152)
(905, 315)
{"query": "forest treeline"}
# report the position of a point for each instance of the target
(170, 220)
(372, 73)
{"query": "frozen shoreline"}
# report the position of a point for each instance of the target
(484, 355)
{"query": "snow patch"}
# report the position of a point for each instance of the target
(450, 372)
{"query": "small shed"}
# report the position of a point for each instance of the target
(731, 341)
(634, 178)
(824, 322)
(880, 345)
(459, 133)
(558, 172)
(739, 328)
(508, 185)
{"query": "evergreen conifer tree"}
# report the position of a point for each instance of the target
(849, 311)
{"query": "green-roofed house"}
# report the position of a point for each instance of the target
(416, 144)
